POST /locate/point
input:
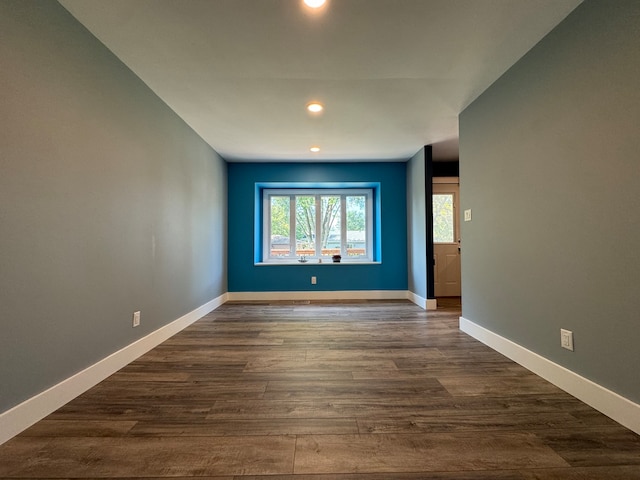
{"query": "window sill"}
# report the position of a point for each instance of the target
(314, 263)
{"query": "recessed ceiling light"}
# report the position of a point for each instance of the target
(315, 107)
(315, 149)
(315, 3)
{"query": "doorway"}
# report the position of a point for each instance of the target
(446, 237)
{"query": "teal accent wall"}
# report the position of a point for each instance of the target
(244, 228)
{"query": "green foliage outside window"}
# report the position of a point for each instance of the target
(443, 220)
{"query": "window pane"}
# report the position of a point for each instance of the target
(305, 226)
(316, 223)
(356, 226)
(330, 225)
(280, 229)
(443, 221)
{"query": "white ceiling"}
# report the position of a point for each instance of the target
(392, 74)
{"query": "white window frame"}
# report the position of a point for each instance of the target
(316, 192)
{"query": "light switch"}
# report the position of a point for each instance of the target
(566, 339)
(467, 215)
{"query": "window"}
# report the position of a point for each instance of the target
(306, 224)
(443, 219)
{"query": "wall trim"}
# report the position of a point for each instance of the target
(613, 405)
(25, 414)
(430, 304)
(424, 303)
(319, 295)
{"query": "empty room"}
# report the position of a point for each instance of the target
(319, 240)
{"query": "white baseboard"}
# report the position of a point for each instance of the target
(22, 416)
(318, 295)
(613, 405)
(424, 303)
(430, 304)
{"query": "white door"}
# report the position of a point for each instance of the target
(446, 238)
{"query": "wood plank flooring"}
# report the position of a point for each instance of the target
(325, 391)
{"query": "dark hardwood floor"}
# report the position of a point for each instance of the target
(325, 391)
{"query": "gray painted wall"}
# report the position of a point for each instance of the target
(549, 164)
(109, 203)
(416, 221)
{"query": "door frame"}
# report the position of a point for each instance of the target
(457, 234)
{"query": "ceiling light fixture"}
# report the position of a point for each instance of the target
(315, 149)
(314, 3)
(315, 107)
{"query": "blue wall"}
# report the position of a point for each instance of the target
(245, 276)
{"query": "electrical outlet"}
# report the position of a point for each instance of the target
(314, 280)
(566, 339)
(467, 215)
(136, 318)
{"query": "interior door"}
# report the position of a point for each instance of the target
(446, 238)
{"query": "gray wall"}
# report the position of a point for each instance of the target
(549, 160)
(416, 221)
(109, 203)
